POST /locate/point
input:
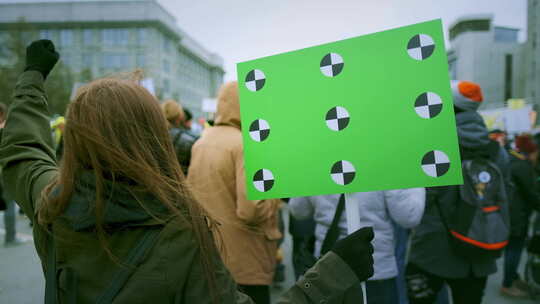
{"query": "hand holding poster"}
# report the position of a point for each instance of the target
(363, 114)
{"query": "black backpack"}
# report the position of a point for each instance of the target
(479, 224)
(183, 140)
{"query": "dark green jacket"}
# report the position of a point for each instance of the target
(170, 272)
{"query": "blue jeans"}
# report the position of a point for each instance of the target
(512, 257)
(443, 296)
(382, 292)
(402, 240)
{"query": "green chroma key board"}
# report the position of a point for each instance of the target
(362, 114)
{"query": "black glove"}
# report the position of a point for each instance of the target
(356, 250)
(41, 56)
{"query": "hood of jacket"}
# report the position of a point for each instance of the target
(122, 207)
(228, 107)
(472, 131)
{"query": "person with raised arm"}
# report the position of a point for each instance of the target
(116, 223)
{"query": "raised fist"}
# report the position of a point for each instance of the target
(41, 56)
(356, 250)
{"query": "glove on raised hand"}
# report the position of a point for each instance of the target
(356, 250)
(41, 56)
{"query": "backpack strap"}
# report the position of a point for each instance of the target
(432, 196)
(443, 219)
(175, 140)
(134, 259)
(332, 234)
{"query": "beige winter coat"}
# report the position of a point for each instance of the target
(248, 229)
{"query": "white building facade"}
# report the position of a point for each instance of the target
(108, 36)
(490, 56)
(532, 51)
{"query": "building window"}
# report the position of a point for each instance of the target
(114, 61)
(87, 60)
(27, 37)
(166, 66)
(123, 60)
(4, 50)
(141, 60)
(108, 37)
(45, 34)
(166, 44)
(66, 37)
(505, 35)
(508, 77)
(166, 85)
(88, 37)
(123, 37)
(4, 37)
(66, 59)
(142, 35)
(115, 36)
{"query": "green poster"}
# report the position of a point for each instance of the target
(362, 114)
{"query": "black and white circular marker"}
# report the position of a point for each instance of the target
(342, 172)
(263, 180)
(484, 177)
(255, 80)
(337, 118)
(421, 46)
(259, 130)
(428, 105)
(331, 65)
(435, 163)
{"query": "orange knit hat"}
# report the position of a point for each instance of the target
(467, 95)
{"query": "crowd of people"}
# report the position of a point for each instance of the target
(128, 205)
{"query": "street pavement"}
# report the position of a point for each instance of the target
(21, 278)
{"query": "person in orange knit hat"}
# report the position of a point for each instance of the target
(433, 261)
(467, 95)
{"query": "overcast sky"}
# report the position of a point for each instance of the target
(241, 30)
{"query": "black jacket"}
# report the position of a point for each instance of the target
(183, 140)
(525, 196)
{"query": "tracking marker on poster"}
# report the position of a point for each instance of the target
(363, 114)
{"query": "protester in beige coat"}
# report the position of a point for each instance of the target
(249, 229)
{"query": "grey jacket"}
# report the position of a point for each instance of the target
(377, 209)
(430, 245)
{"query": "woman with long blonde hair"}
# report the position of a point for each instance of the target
(115, 222)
